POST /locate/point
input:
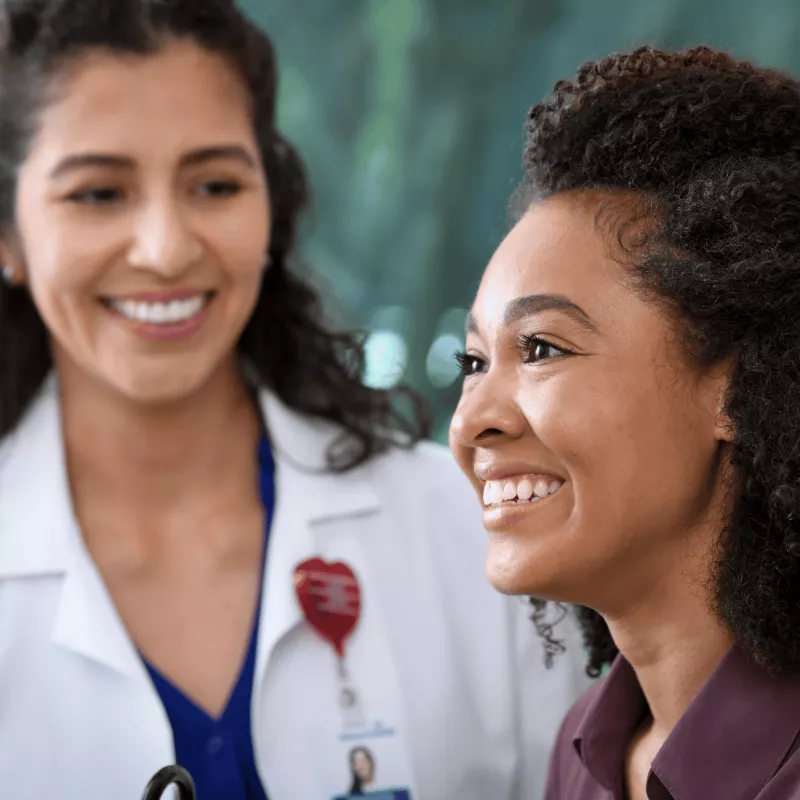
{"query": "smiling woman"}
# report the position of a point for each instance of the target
(100, 182)
(556, 366)
(634, 345)
(144, 235)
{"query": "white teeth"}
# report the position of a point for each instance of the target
(541, 489)
(525, 489)
(160, 313)
(519, 490)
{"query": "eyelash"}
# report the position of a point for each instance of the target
(528, 343)
(107, 195)
(90, 196)
(229, 188)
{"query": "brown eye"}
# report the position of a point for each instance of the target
(534, 349)
(469, 364)
(542, 350)
(219, 189)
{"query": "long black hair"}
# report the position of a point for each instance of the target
(711, 145)
(310, 368)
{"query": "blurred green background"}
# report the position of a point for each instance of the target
(409, 114)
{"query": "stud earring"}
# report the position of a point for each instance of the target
(8, 273)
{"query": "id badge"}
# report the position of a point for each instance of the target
(368, 758)
(369, 777)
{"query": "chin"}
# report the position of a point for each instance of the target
(514, 572)
(158, 388)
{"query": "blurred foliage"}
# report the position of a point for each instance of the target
(409, 114)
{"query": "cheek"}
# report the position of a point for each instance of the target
(63, 288)
(64, 256)
(242, 239)
(631, 447)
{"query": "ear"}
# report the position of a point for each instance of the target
(725, 429)
(720, 377)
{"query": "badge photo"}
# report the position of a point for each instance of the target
(365, 778)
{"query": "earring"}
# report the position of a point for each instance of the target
(8, 273)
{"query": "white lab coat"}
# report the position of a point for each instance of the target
(449, 673)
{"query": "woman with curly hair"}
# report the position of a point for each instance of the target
(194, 482)
(631, 418)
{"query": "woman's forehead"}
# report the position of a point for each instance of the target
(105, 97)
(556, 249)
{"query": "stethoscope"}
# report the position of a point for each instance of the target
(170, 776)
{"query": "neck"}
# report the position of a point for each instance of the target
(139, 459)
(672, 639)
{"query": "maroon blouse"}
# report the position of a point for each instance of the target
(738, 740)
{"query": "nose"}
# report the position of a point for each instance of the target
(165, 243)
(487, 411)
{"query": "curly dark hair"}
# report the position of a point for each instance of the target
(712, 146)
(311, 369)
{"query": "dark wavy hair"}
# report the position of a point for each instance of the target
(711, 146)
(311, 369)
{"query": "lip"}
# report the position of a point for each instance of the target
(502, 470)
(503, 517)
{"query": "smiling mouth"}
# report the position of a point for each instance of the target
(172, 312)
(522, 490)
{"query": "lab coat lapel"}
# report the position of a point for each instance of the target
(39, 536)
(306, 495)
(87, 621)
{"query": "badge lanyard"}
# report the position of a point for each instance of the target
(330, 598)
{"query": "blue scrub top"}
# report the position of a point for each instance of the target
(219, 752)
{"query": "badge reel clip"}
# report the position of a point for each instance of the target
(330, 598)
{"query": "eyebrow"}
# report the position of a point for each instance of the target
(521, 307)
(233, 152)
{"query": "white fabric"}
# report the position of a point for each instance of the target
(449, 673)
